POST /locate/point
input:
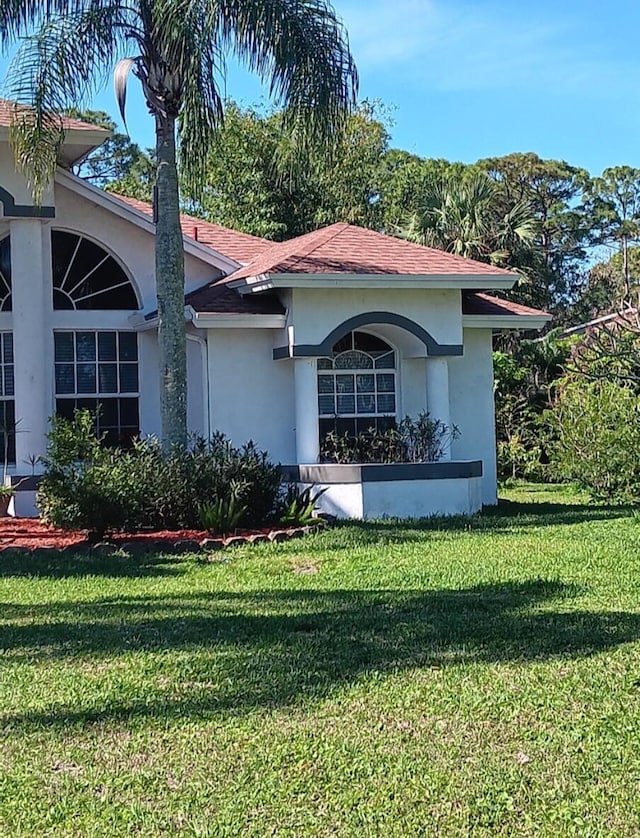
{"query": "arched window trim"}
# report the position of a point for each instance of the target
(108, 254)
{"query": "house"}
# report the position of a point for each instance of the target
(342, 328)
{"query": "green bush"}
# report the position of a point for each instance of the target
(89, 486)
(420, 440)
(598, 438)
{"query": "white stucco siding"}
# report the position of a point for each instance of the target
(315, 313)
(251, 396)
(411, 387)
(472, 407)
(132, 246)
(14, 181)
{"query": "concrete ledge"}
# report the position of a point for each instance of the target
(328, 473)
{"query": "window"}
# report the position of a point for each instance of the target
(86, 277)
(357, 386)
(99, 369)
(5, 274)
(7, 404)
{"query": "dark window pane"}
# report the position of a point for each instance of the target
(343, 345)
(63, 246)
(128, 378)
(5, 259)
(7, 348)
(87, 404)
(63, 342)
(8, 431)
(325, 384)
(128, 346)
(107, 346)
(386, 382)
(108, 413)
(345, 426)
(326, 405)
(8, 381)
(386, 362)
(108, 378)
(386, 403)
(346, 404)
(385, 423)
(65, 408)
(365, 383)
(61, 301)
(65, 381)
(86, 378)
(369, 343)
(353, 361)
(85, 346)
(344, 383)
(129, 412)
(366, 404)
(366, 425)
(325, 364)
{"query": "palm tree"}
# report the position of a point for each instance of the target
(176, 49)
(466, 214)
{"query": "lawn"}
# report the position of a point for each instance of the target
(474, 677)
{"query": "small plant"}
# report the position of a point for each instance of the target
(224, 514)
(299, 505)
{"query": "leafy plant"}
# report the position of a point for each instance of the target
(224, 514)
(419, 440)
(89, 486)
(299, 505)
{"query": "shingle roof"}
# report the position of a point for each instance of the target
(219, 299)
(478, 303)
(346, 249)
(8, 108)
(241, 247)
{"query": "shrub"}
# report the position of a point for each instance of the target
(89, 486)
(598, 438)
(420, 440)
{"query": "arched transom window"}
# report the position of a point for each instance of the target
(85, 276)
(357, 386)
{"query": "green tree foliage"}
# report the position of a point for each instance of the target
(258, 182)
(555, 191)
(119, 164)
(175, 48)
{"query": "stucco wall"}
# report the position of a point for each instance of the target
(251, 395)
(472, 408)
(314, 313)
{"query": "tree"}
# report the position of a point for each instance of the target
(464, 213)
(118, 165)
(614, 203)
(298, 46)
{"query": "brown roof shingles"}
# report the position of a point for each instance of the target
(346, 249)
(9, 108)
(219, 299)
(241, 247)
(480, 304)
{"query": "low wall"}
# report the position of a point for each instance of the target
(403, 490)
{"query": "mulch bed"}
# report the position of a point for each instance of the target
(32, 534)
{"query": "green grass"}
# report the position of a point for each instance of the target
(455, 678)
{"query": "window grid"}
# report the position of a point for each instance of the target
(99, 370)
(357, 386)
(7, 403)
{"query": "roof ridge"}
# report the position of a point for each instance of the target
(329, 232)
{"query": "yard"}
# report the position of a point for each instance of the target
(472, 678)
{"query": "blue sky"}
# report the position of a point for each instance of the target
(466, 80)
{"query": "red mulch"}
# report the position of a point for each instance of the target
(32, 533)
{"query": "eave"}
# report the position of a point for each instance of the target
(499, 322)
(269, 282)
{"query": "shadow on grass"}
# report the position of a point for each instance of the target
(268, 649)
(56, 564)
(503, 519)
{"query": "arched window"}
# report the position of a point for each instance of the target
(357, 386)
(86, 277)
(5, 274)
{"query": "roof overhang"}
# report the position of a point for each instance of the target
(500, 322)
(269, 282)
(78, 143)
(108, 202)
(213, 320)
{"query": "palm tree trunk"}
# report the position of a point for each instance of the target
(172, 341)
